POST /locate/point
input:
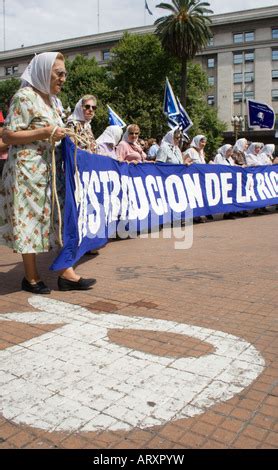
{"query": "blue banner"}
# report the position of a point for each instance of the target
(111, 199)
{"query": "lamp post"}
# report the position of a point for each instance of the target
(237, 123)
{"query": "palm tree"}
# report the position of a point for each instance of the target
(184, 32)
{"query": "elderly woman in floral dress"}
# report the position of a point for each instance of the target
(31, 127)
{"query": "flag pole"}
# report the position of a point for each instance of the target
(98, 16)
(144, 12)
(4, 25)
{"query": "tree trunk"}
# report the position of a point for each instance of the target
(183, 82)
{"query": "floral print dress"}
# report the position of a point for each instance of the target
(25, 197)
(84, 130)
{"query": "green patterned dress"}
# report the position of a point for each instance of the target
(25, 197)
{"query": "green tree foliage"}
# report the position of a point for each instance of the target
(7, 90)
(184, 32)
(137, 77)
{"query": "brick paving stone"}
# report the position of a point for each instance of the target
(203, 429)
(244, 442)
(224, 436)
(272, 439)
(212, 418)
(191, 440)
(171, 431)
(211, 444)
(255, 432)
(22, 439)
(232, 425)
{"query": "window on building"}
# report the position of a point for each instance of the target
(274, 95)
(211, 100)
(211, 63)
(211, 42)
(244, 37)
(237, 77)
(274, 74)
(238, 58)
(211, 81)
(275, 54)
(249, 95)
(249, 56)
(249, 36)
(238, 38)
(249, 76)
(106, 55)
(237, 97)
(274, 33)
(11, 70)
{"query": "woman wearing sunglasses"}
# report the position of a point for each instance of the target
(129, 150)
(80, 122)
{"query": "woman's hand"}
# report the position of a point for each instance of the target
(56, 133)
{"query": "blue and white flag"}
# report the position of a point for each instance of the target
(184, 120)
(114, 119)
(175, 112)
(147, 8)
(170, 105)
(260, 114)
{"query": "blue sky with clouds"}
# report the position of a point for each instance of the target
(32, 22)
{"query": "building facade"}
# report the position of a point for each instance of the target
(241, 60)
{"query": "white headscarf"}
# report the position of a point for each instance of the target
(169, 137)
(111, 135)
(125, 136)
(78, 113)
(196, 140)
(38, 72)
(240, 145)
(224, 149)
(253, 146)
(268, 149)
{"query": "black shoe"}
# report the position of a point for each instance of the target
(258, 212)
(82, 284)
(92, 253)
(198, 220)
(209, 217)
(38, 288)
(229, 216)
(242, 214)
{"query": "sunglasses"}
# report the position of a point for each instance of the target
(61, 73)
(133, 133)
(88, 106)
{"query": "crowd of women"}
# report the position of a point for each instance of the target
(35, 126)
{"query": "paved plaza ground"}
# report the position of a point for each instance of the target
(171, 349)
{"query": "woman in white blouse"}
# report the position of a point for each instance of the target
(253, 157)
(224, 155)
(196, 153)
(266, 154)
(169, 151)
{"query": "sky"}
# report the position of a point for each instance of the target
(31, 22)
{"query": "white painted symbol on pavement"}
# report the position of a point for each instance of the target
(75, 379)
